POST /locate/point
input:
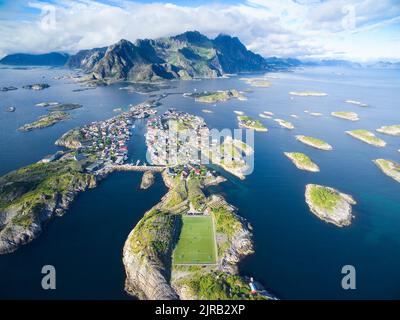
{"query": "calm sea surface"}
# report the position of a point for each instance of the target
(297, 255)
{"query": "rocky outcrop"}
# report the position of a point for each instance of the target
(147, 180)
(25, 209)
(70, 139)
(145, 278)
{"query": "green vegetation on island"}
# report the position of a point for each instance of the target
(216, 96)
(389, 167)
(367, 137)
(329, 204)
(46, 121)
(302, 161)
(176, 251)
(352, 116)
(314, 142)
(393, 130)
(33, 194)
(250, 123)
(65, 107)
(217, 286)
(257, 82)
(285, 124)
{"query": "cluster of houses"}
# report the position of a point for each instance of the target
(175, 138)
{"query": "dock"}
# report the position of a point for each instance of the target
(130, 167)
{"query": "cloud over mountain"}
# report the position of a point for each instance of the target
(297, 28)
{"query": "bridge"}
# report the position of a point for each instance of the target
(130, 167)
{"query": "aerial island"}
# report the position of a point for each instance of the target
(36, 86)
(265, 116)
(10, 109)
(201, 263)
(314, 142)
(367, 137)
(216, 96)
(65, 107)
(329, 204)
(389, 167)
(302, 161)
(285, 124)
(9, 88)
(250, 123)
(257, 82)
(308, 93)
(46, 104)
(393, 130)
(147, 180)
(352, 116)
(315, 114)
(46, 121)
(357, 103)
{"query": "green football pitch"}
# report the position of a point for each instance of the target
(196, 243)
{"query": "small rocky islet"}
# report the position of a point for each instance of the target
(329, 204)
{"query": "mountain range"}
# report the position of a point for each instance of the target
(184, 56)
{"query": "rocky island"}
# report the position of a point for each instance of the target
(314, 142)
(285, 124)
(263, 115)
(367, 137)
(9, 88)
(216, 96)
(46, 121)
(357, 103)
(393, 130)
(159, 266)
(46, 104)
(56, 106)
(352, 116)
(329, 204)
(302, 161)
(308, 93)
(257, 82)
(10, 109)
(389, 167)
(36, 86)
(147, 180)
(250, 123)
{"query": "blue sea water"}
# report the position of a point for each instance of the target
(297, 255)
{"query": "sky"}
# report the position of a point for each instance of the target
(359, 30)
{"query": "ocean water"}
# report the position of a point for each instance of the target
(297, 255)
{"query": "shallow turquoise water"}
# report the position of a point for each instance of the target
(297, 256)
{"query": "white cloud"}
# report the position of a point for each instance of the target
(302, 28)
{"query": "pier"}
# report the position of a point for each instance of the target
(130, 167)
